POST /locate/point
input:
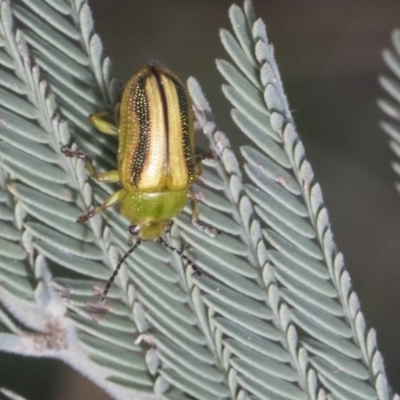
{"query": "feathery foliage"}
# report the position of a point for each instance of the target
(273, 317)
(390, 106)
(10, 395)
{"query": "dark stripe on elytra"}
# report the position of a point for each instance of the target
(184, 116)
(165, 111)
(141, 112)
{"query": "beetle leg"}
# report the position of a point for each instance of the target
(199, 158)
(110, 176)
(101, 124)
(114, 199)
(200, 225)
(205, 156)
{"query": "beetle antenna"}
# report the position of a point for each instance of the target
(195, 267)
(115, 273)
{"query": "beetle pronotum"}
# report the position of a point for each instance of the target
(156, 159)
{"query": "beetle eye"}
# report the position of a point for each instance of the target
(134, 229)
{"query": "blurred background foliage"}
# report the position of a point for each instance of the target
(329, 54)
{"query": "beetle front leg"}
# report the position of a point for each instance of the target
(114, 199)
(200, 225)
(103, 125)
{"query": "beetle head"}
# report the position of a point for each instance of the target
(148, 230)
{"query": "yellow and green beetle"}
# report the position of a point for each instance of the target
(156, 158)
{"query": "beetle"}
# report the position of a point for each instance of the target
(156, 159)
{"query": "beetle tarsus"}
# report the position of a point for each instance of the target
(75, 154)
(83, 218)
(206, 156)
(200, 225)
(207, 229)
(67, 152)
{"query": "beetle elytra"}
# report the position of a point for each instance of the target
(156, 159)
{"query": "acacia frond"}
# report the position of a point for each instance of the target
(273, 315)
